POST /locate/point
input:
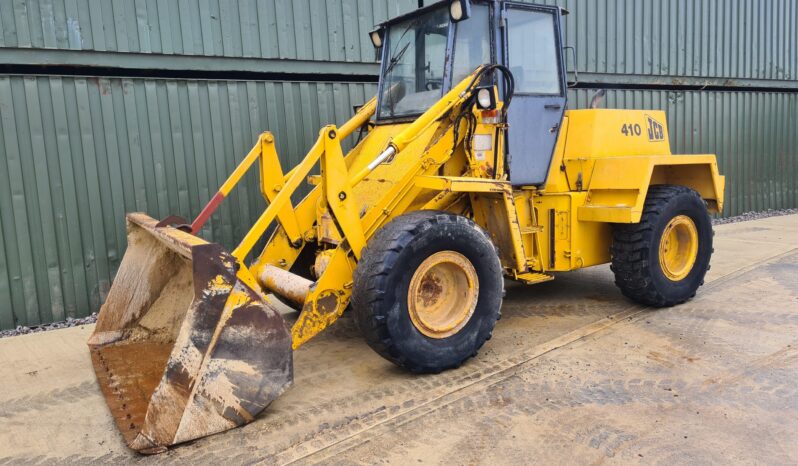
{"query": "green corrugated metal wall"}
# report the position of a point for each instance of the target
(289, 29)
(77, 152)
(80, 152)
(732, 39)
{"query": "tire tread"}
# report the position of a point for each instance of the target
(377, 260)
(630, 249)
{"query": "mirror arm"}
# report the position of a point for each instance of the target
(576, 71)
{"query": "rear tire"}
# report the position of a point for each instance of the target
(654, 271)
(454, 269)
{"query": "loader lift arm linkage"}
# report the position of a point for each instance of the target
(325, 301)
(217, 350)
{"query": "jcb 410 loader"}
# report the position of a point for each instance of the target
(470, 172)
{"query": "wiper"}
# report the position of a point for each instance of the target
(395, 59)
(398, 55)
(388, 69)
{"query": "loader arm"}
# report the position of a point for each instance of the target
(188, 343)
(327, 298)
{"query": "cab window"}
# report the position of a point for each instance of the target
(532, 52)
(412, 76)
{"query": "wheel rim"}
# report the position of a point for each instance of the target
(678, 247)
(443, 294)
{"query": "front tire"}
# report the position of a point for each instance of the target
(662, 260)
(428, 290)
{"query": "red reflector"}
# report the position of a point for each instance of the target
(490, 113)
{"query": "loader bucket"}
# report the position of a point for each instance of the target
(182, 347)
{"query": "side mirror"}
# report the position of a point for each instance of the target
(459, 10)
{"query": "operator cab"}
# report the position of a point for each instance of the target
(427, 51)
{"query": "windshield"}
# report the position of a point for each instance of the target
(471, 43)
(412, 77)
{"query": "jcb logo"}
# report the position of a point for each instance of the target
(656, 132)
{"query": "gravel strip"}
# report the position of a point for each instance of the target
(754, 216)
(70, 322)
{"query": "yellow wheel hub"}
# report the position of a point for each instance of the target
(678, 247)
(443, 294)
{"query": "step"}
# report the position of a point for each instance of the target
(533, 277)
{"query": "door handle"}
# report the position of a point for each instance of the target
(552, 106)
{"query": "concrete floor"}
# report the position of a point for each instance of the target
(573, 374)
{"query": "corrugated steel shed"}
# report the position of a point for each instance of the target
(287, 29)
(732, 39)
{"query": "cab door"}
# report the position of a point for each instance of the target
(533, 53)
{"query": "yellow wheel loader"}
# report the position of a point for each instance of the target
(469, 171)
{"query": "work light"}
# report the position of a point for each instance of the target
(460, 10)
(485, 98)
(376, 37)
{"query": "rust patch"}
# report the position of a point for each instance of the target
(430, 290)
(327, 304)
(128, 375)
(99, 84)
